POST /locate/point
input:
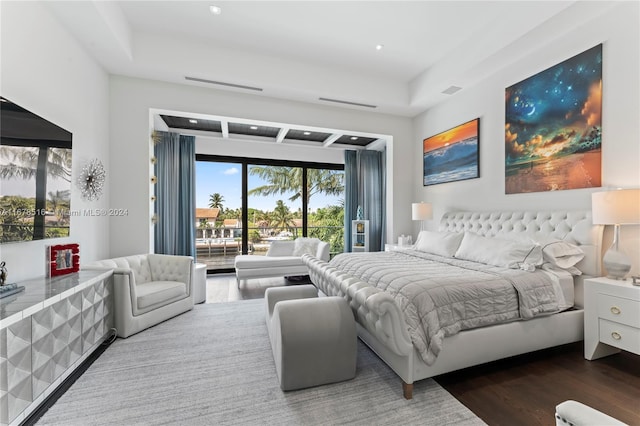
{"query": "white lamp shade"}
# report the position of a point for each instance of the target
(618, 207)
(421, 211)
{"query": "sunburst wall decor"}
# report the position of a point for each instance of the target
(91, 180)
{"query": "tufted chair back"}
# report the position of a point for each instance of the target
(166, 268)
(148, 267)
(137, 264)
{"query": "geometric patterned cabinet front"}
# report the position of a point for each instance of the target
(41, 343)
(15, 369)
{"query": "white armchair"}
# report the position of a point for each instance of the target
(148, 289)
(284, 258)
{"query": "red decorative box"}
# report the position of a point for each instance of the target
(63, 259)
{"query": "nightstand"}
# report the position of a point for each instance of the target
(392, 247)
(611, 317)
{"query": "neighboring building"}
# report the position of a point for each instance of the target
(208, 216)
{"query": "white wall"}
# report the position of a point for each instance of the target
(618, 30)
(47, 72)
(132, 100)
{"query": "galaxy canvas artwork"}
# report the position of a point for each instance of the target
(452, 155)
(553, 127)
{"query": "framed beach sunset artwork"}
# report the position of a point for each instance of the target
(553, 127)
(452, 155)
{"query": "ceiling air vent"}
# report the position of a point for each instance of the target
(347, 102)
(451, 90)
(222, 83)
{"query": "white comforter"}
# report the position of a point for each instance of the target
(441, 296)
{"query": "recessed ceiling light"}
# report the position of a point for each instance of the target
(354, 138)
(192, 121)
(379, 46)
(215, 10)
(307, 133)
(254, 127)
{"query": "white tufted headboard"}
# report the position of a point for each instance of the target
(574, 227)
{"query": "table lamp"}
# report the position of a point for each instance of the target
(616, 207)
(421, 211)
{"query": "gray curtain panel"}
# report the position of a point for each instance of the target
(175, 194)
(365, 185)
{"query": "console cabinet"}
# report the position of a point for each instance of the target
(46, 331)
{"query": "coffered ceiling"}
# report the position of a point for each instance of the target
(238, 129)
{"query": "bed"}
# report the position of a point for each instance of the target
(382, 289)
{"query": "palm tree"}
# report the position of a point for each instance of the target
(216, 201)
(284, 180)
(282, 218)
(263, 221)
(58, 201)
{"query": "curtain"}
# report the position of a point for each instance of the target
(175, 194)
(365, 186)
(350, 194)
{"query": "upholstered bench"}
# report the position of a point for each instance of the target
(574, 413)
(313, 339)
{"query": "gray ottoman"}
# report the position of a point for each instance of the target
(313, 339)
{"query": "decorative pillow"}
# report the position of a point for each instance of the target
(440, 243)
(547, 266)
(281, 248)
(500, 252)
(561, 253)
(305, 246)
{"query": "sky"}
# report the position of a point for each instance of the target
(457, 134)
(226, 179)
(555, 111)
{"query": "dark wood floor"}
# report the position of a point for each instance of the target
(525, 390)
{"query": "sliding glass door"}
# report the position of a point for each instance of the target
(260, 201)
(274, 205)
(218, 213)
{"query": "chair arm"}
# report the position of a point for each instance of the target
(125, 275)
(166, 267)
(106, 268)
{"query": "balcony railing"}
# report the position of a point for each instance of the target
(219, 253)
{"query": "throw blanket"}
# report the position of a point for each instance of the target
(440, 296)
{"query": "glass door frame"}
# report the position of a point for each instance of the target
(248, 161)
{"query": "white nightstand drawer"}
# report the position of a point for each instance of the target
(618, 309)
(620, 335)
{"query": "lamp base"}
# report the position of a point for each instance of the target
(616, 263)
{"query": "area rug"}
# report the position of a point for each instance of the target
(213, 366)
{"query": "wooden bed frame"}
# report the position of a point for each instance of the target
(382, 327)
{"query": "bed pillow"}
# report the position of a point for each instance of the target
(500, 252)
(561, 253)
(305, 246)
(440, 243)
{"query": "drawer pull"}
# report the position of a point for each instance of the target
(615, 310)
(616, 335)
